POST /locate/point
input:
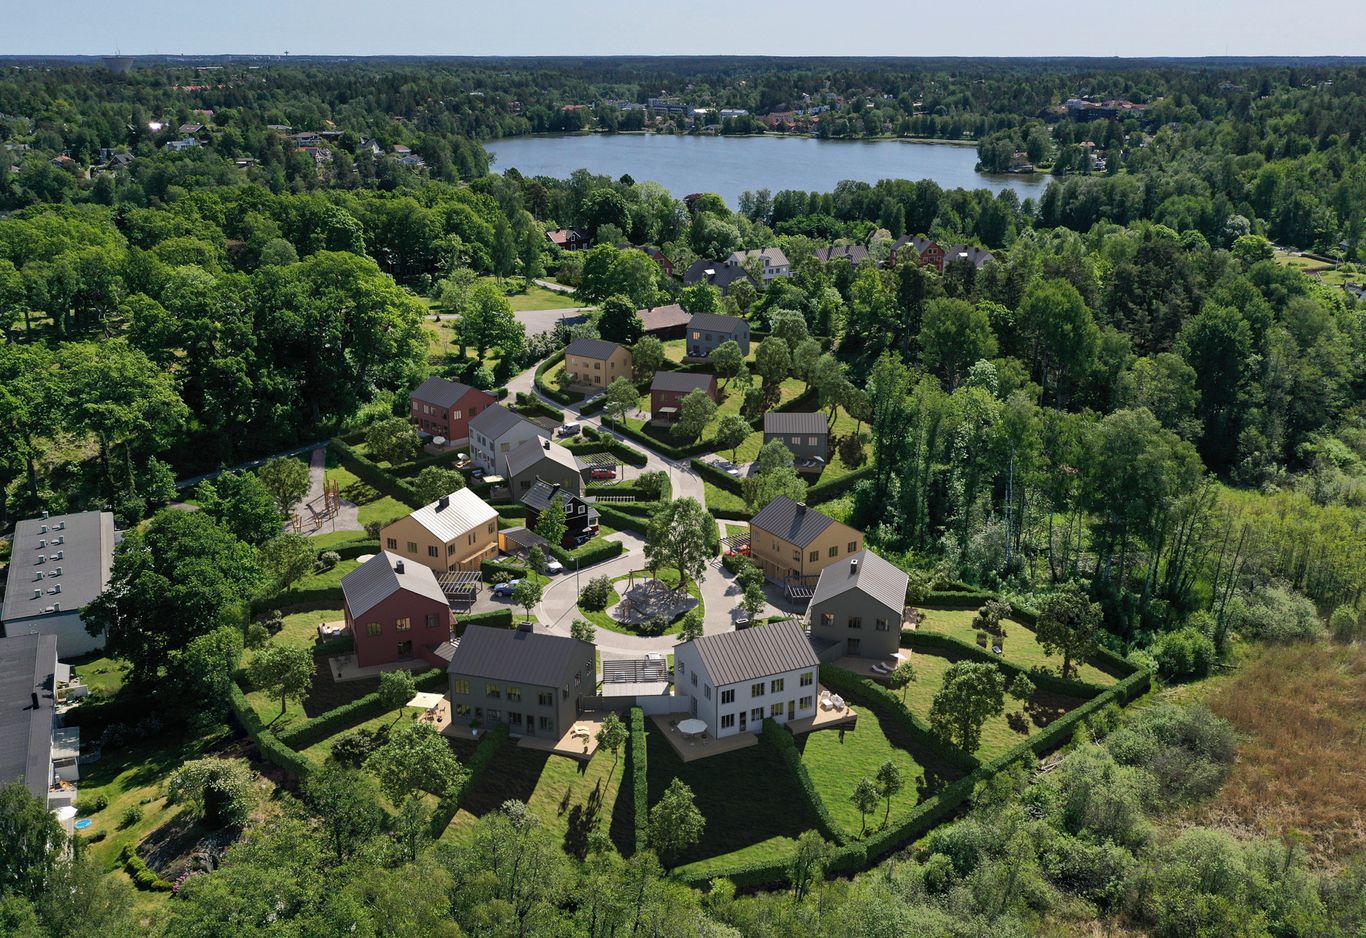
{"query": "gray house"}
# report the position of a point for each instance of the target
(806, 435)
(547, 462)
(858, 606)
(707, 330)
(58, 565)
(496, 432)
(35, 750)
(529, 681)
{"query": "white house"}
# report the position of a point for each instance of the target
(736, 680)
(774, 260)
(495, 432)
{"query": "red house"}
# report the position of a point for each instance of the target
(670, 387)
(570, 239)
(930, 253)
(656, 255)
(444, 408)
(395, 610)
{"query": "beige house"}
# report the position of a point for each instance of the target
(455, 532)
(596, 363)
(793, 544)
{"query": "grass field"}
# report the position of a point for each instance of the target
(372, 505)
(1021, 647)
(752, 806)
(570, 797)
(1302, 760)
(102, 674)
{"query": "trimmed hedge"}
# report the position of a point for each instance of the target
(353, 549)
(662, 446)
(143, 876)
(879, 699)
(489, 568)
(1041, 679)
(318, 597)
(370, 473)
(640, 786)
(620, 520)
(594, 552)
(781, 740)
(729, 514)
(494, 619)
(483, 754)
(955, 600)
(828, 491)
(543, 386)
(529, 405)
(716, 477)
(272, 750)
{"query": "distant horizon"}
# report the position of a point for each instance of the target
(531, 56)
(614, 28)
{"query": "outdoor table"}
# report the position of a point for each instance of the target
(692, 727)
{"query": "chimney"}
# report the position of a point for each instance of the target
(37, 594)
(58, 571)
(56, 607)
(35, 699)
(443, 503)
(398, 568)
(801, 508)
(545, 444)
(853, 566)
(58, 555)
(61, 525)
(42, 530)
(45, 516)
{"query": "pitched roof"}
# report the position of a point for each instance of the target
(682, 381)
(27, 665)
(868, 573)
(81, 544)
(783, 422)
(791, 521)
(711, 322)
(656, 318)
(773, 256)
(541, 493)
(495, 420)
(514, 655)
(530, 452)
(378, 578)
(440, 392)
(856, 253)
(736, 657)
(591, 348)
(462, 512)
(717, 273)
(978, 257)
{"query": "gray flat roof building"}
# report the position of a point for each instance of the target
(27, 706)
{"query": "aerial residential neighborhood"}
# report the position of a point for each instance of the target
(689, 496)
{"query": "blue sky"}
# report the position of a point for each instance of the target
(606, 27)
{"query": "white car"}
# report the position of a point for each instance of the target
(553, 567)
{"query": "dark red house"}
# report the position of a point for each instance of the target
(656, 255)
(396, 610)
(670, 387)
(570, 239)
(444, 408)
(929, 252)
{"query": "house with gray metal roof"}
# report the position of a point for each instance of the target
(859, 605)
(669, 388)
(495, 433)
(531, 681)
(596, 363)
(735, 680)
(806, 435)
(35, 750)
(444, 408)
(58, 565)
(792, 543)
(581, 519)
(395, 610)
(707, 331)
(546, 462)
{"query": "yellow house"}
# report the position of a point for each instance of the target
(596, 363)
(455, 532)
(793, 543)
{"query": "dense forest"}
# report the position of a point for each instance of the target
(1141, 393)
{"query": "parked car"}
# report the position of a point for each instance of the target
(505, 588)
(742, 550)
(602, 472)
(570, 429)
(553, 567)
(582, 539)
(728, 467)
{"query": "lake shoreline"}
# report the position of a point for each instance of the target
(564, 135)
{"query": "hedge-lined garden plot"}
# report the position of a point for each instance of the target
(1021, 645)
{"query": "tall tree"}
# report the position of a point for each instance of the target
(282, 669)
(675, 822)
(972, 692)
(1067, 624)
(678, 535)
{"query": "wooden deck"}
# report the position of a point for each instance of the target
(692, 748)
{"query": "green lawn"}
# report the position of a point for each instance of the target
(570, 797)
(373, 506)
(753, 808)
(1000, 733)
(1021, 646)
(102, 674)
(836, 763)
(719, 498)
(319, 751)
(604, 619)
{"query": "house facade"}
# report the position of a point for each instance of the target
(444, 408)
(569, 239)
(548, 462)
(859, 605)
(530, 681)
(58, 565)
(968, 254)
(580, 517)
(670, 387)
(495, 433)
(791, 542)
(718, 274)
(806, 435)
(735, 680)
(927, 252)
(395, 610)
(774, 261)
(707, 330)
(458, 531)
(596, 363)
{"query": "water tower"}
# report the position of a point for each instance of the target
(119, 64)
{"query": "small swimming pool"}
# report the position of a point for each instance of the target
(83, 823)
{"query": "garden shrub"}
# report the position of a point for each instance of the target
(1275, 614)
(640, 787)
(1185, 653)
(596, 594)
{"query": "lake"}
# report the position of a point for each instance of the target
(730, 165)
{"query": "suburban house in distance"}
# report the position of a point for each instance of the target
(859, 606)
(580, 517)
(660, 258)
(444, 408)
(665, 322)
(928, 252)
(793, 544)
(967, 254)
(854, 253)
(548, 462)
(570, 239)
(736, 680)
(806, 435)
(596, 363)
(718, 274)
(670, 387)
(456, 532)
(35, 750)
(774, 261)
(530, 681)
(58, 565)
(707, 330)
(395, 610)
(496, 432)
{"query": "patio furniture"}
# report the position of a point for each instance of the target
(838, 701)
(826, 703)
(692, 727)
(881, 668)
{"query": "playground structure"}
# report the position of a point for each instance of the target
(331, 506)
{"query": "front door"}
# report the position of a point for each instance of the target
(405, 649)
(853, 647)
(791, 709)
(530, 725)
(743, 721)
